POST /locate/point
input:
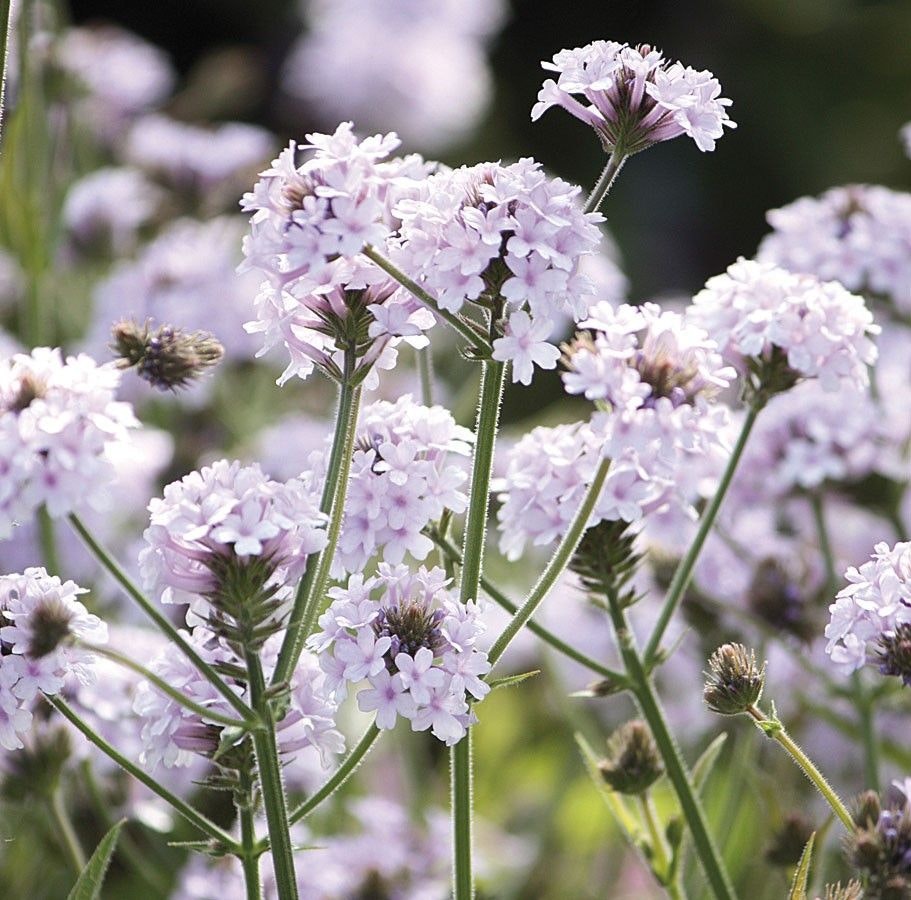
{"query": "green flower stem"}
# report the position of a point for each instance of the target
(474, 338)
(224, 840)
(647, 700)
(162, 622)
(203, 711)
(493, 375)
(863, 701)
(48, 540)
(312, 587)
(249, 853)
(5, 28)
(558, 563)
(425, 372)
(68, 837)
(347, 768)
(615, 678)
(270, 782)
(608, 176)
(773, 729)
(661, 858)
(684, 570)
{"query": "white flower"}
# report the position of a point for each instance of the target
(526, 346)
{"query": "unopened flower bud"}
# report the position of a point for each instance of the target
(851, 891)
(734, 681)
(866, 809)
(789, 840)
(633, 763)
(166, 357)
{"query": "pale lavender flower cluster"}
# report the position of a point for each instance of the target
(755, 309)
(186, 275)
(40, 616)
(193, 158)
(108, 207)
(58, 419)
(634, 97)
(391, 60)
(859, 235)
(403, 476)
(228, 514)
(410, 638)
(492, 231)
(174, 736)
(871, 617)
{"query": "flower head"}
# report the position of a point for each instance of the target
(635, 97)
(734, 682)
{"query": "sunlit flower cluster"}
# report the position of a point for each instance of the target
(859, 235)
(57, 420)
(634, 97)
(40, 618)
(407, 635)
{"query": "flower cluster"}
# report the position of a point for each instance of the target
(58, 419)
(859, 235)
(414, 643)
(635, 97)
(391, 65)
(757, 311)
(500, 235)
(185, 277)
(226, 536)
(41, 616)
(173, 735)
(874, 609)
(402, 479)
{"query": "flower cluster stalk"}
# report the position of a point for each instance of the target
(606, 180)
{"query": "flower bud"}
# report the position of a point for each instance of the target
(851, 891)
(789, 840)
(166, 357)
(866, 809)
(633, 763)
(734, 682)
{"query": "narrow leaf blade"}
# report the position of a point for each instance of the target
(88, 885)
(799, 884)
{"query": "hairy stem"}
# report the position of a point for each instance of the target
(249, 852)
(605, 182)
(684, 571)
(68, 837)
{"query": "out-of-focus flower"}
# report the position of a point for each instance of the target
(58, 419)
(12, 284)
(416, 67)
(787, 325)
(414, 644)
(879, 850)
(105, 209)
(871, 617)
(41, 621)
(905, 135)
(196, 159)
(227, 536)
(635, 96)
(122, 74)
(859, 235)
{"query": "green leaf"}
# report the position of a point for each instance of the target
(88, 885)
(799, 884)
(707, 760)
(513, 680)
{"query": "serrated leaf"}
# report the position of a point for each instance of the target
(513, 680)
(88, 885)
(799, 883)
(707, 760)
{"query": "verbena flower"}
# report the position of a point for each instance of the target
(508, 239)
(409, 638)
(227, 536)
(871, 617)
(41, 618)
(787, 325)
(391, 65)
(633, 97)
(859, 235)
(408, 467)
(880, 849)
(58, 419)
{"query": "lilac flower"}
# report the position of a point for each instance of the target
(392, 65)
(41, 620)
(421, 673)
(526, 346)
(635, 97)
(196, 159)
(873, 613)
(106, 208)
(859, 235)
(58, 421)
(819, 330)
(226, 515)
